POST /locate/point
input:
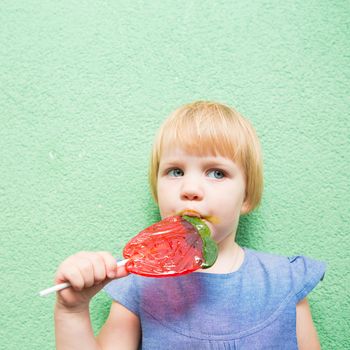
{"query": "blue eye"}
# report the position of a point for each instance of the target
(216, 174)
(176, 172)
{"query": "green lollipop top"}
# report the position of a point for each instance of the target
(210, 248)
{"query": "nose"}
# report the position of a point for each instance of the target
(191, 191)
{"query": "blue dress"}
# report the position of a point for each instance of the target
(252, 308)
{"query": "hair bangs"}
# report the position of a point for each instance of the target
(202, 137)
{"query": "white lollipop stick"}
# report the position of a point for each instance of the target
(61, 286)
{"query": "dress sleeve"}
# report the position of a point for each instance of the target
(124, 291)
(306, 274)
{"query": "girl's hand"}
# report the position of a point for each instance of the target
(88, 273)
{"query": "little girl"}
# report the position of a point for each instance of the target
(206, 161)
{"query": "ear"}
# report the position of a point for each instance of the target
(245, 208)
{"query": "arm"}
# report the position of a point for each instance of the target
(87, 273)
(73, 330)
(121, 330)
(306, 332)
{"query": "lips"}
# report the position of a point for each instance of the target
(190, 212)
(194, 213)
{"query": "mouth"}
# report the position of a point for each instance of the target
(190, 212)
(194, 213)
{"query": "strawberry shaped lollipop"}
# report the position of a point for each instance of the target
(177, 245)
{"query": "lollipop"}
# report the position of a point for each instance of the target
(174, 246)
(177, 245)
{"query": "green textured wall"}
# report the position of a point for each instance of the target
(83, 88)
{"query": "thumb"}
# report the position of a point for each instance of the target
(119, 272)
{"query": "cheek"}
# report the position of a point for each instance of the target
(228, 208)
(229, 201)
(166, 199)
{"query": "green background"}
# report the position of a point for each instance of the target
(85, 85)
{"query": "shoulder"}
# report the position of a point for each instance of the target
(125, 291)
(290, 274)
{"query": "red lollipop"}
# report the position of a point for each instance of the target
(177, 245)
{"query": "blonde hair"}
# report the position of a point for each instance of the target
(211, 128)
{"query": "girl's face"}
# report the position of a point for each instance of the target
(211, 187)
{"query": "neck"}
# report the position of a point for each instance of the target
(230, 257)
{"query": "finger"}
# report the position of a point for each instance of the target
(67, 263)
(122, 272)
(115, 270)
(86, 269)
(64, 271)
(110, 264)
(74, 277)
(99, 266)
